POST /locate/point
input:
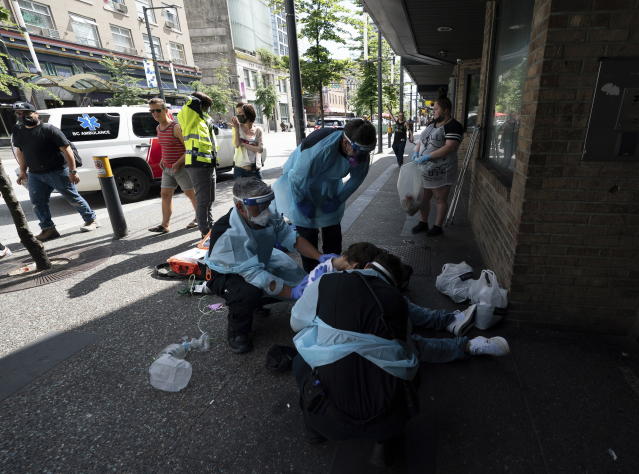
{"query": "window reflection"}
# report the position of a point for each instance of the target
(510, 61)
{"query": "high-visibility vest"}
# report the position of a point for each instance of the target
(200, 151)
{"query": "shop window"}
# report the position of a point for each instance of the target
(472, 101)
(506, 84)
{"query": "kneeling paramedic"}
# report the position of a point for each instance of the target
(355, 363)
(245, 265)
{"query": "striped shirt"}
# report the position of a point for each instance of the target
(172, 148)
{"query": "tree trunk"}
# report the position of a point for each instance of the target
(321, 97)
(33, 245)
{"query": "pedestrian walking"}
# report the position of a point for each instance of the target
(46, 164)
(247, 140)
(399, 140)
(436, 153)
(174, 174)
(200, 156)
(389, 131)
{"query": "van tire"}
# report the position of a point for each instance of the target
(133, 184)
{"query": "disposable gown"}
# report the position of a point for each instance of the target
(320, 344)
(249, 253)
(315, 175)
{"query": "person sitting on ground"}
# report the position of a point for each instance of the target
(174, 174)
(354, 365)
(456, 322)
(245, 265)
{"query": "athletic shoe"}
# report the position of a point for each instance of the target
(90, 226)
(47, 234)
(495, 346)
(6, 252)
(435, 230)
(420, 227)
(463, 321)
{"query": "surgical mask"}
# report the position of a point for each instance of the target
(262, 219)
(241, 118)
(30, 121)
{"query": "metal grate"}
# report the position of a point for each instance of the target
(417, 256)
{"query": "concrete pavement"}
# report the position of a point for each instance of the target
(562, 402)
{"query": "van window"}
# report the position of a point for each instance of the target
(144, 125)
(87, 127)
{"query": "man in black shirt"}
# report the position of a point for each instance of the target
(44, 151)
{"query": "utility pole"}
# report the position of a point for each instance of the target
(380, 143)
(153, 56)
(401, 84)
(23, 27)
(294, 66)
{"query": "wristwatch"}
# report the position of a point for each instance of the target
(73, 172)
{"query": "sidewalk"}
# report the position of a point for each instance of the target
(80, 401)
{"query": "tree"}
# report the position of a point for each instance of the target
(266, 98)
(220, 91)
(125, 88)
(33, 245)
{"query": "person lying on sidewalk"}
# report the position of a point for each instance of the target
(433, 350)
(245, 265)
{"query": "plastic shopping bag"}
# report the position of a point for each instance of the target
(454, 281)
(409, 187)
(486, 290)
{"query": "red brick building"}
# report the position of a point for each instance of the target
(554, 187)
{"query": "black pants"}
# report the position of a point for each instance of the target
(398, 148)
(241, 297)
(325, 422)
(331, 242)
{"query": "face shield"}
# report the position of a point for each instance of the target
(262, 204)
(360, 152)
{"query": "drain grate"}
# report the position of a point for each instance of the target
(64, 265)
(418, 257)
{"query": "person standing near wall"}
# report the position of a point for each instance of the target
(171, 142)
(436, 153)
(247, 140)
(200, 156)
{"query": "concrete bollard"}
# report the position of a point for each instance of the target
(111, 197)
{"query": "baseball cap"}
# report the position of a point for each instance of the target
(23, 106)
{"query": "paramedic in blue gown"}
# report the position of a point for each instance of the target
(244, 264)
(310, 191)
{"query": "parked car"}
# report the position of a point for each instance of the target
(334, 122)
(127, 136)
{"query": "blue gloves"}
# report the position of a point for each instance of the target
(330, 205)
(417, 158)
(307, 208)
(326, 256)
(297, 291)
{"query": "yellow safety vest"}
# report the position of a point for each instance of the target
(200, 151)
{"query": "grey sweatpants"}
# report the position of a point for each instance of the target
(203, 180)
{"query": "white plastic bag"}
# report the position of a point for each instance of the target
(170, 373)
(486, 290)
(454, 280)
(409, 187)
(486, 315)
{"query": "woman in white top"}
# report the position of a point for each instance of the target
(247, 140)
(436, 153)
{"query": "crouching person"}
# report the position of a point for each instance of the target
(354, 365)
(245, 266)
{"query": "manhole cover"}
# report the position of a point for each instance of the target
(416, 256)
(21, 277)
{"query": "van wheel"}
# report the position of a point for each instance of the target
(133, 184)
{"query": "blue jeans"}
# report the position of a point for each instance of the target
(242, 173)
(435, 350)
(40, 187)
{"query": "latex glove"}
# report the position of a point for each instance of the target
(330, 205)
(420, 159)
(297, 291)
(307, 208)
(326, 256)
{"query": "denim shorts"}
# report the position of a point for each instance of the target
(171, 179)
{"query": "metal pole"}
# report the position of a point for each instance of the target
(155, 61)
(380, 143)
(111, 197)
(18, 14)
(294, 66)
(401, 84)
(410, 103)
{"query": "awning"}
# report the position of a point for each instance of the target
(78, 83)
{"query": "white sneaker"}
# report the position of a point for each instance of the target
(495, 346)
(463, 321)
(6, 252)
(90, 226)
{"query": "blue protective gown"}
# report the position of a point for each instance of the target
(315, 175)
(249, 253)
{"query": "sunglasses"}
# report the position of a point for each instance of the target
(156, 111)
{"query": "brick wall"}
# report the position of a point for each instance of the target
(577, 247)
